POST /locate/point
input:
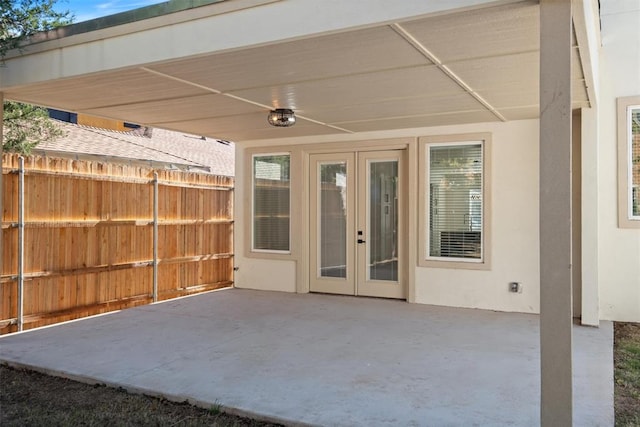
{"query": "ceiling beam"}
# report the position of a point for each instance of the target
(446, 70)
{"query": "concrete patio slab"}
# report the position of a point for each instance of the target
(325, 360)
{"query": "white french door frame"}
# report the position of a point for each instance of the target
(335, 285)
(355, 278)
(365, 285)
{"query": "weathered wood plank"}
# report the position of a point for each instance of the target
(88, 238)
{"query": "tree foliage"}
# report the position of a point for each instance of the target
(20, 19)
(25, 126)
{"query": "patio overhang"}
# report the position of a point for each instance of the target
(344, 67)
(199, 70)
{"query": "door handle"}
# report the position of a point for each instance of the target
(361, 241)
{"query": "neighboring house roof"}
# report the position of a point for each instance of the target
(163, 149)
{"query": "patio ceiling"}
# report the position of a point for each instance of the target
(462, 67)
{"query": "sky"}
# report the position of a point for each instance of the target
(85, 10)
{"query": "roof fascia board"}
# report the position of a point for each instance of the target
(586, 22)
(207, 30)
(145, 13)
(68, 36)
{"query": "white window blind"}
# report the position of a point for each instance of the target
(634, 160)
(455, 201)
(271, 207)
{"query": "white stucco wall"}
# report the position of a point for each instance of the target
(267, 275)
(514, 237)
(255, 273)
(515, 240)
(619, 249)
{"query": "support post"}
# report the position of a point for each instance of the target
(556, 408)
(155, 236)
(590, 298)
(20, 243)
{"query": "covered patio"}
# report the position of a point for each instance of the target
(520, 76)
(325, 360)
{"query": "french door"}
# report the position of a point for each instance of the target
(357, 223)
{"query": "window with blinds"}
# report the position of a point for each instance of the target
(271, 207)
(634, 160)
(629, 162)
(455, 211)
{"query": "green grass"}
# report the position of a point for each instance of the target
(627, 374)
(216, 408)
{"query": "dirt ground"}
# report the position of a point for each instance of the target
(28, 398)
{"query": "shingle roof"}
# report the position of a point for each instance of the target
(163, 149)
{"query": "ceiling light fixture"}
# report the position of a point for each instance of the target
(281, 117)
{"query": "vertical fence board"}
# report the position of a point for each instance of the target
(89, 239)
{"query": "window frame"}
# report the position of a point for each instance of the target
(425, 144)
(626, 219)
(252, 249)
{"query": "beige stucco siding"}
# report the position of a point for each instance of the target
(619, 248)
(514, 221)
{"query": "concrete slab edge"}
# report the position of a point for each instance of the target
(152, 393)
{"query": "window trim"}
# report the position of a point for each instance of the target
(252, 249)
(425, 143)
(625, 217)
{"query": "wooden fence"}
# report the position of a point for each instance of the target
(95, 237)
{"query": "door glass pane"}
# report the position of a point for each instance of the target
(333, 220)
(383, 220)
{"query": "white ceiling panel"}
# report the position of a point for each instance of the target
(533, 111)
(277, 133)
(221, 125)
(493, 31)
(248, 126)
(397, 108)
(502, 68)
(511, 96)
(318, 58)
(494, 72)
(520, 113)
(421, 121)
(187, 108)
(506, 81)
(356, 89)
(114, 88)
(360, 80)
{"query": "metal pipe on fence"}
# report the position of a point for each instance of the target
(155, 236)
(20, 242)
(107, 232)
